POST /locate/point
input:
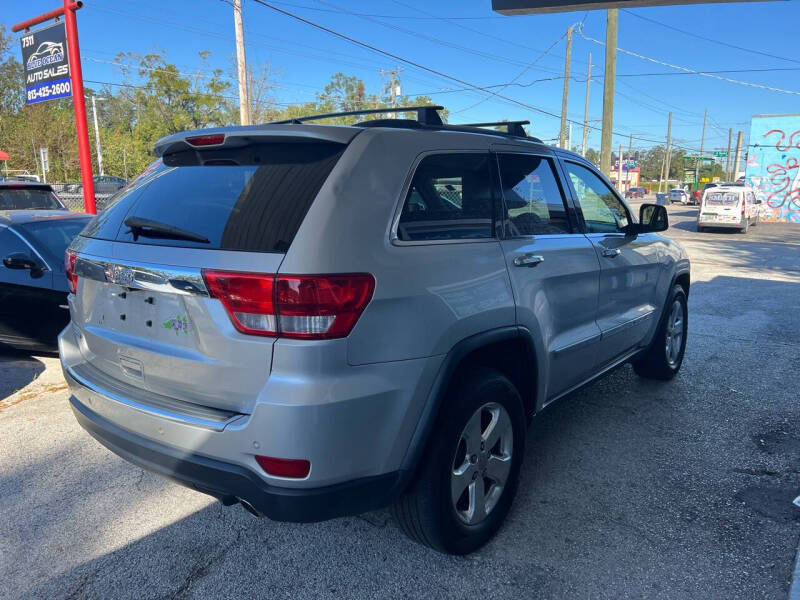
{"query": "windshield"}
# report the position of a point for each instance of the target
(28, 199)
(51, 238)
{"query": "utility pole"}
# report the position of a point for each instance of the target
(612, 21)
(630, 155)
(586, 107)
(392, 73)
(619, 170)
(666, 153)
(668, 157)
(702, 143)
(738, 156)
(241, 65)
(728, 156)
(97, 138)
(562, 136)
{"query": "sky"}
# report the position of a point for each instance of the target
(468, 42)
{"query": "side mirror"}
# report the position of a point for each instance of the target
(652, 218)
(22, 261)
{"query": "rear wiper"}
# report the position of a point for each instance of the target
(154, 229)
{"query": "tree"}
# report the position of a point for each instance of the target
(593, 156)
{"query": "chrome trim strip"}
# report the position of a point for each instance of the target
(150, 410)
(138, 276)
(29, 245)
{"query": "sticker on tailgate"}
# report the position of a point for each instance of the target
(177, 324)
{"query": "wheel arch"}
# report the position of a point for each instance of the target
(510, 350)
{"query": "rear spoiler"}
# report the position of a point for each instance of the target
(237, 137)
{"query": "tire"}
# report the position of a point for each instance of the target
(746, 226)
(662, 359)
(427, 511)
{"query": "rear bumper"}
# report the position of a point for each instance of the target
(721, 224)
(230, 482)
(354, 424)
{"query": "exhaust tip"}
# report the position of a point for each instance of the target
(249, 508)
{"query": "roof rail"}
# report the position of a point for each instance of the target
(426, 115)
(513, 127)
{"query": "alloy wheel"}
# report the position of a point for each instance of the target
(674, 335)
(482, 463)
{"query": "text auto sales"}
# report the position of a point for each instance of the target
(46, 74)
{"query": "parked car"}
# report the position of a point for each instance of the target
(635, 192)
(103, 184)
(729, 205)
(17, 195)
(33, 287)
(679, 195)
(324, 320)
(24, 177)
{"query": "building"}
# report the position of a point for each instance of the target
(773, 166)
(630, 177)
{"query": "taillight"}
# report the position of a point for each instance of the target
(321, 306)
(248, 298)
(292, 306)
(296, 468)
(69, 269)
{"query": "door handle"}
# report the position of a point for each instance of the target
(611, 252)
(528, 260)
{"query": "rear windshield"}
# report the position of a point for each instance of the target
(252, 198)
(722, 198)
(28, 199)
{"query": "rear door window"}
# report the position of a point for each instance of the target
(533, 202)
(450, 198)
(252, 198)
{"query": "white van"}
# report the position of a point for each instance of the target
(729, 206)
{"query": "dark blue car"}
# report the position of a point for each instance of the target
(33, 285)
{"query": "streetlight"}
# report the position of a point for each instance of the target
(97, 133)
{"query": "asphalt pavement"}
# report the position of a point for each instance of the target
(630, 488)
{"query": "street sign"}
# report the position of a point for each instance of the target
(720, 153)
(523, 7)
(44, 154)
(44, 55)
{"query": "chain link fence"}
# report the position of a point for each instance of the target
(71, 195)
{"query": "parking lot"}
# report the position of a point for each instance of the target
(630, 487)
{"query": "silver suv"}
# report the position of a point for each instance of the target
(317, 321)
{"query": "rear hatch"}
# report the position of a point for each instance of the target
(142, 306)
(720, 205)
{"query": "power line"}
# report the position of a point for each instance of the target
(425, 37)
(688, 70)
(403, 17)
(707, 39)
(518, 75)
(423, 67)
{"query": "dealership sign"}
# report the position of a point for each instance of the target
(44, 55)
(521, 7)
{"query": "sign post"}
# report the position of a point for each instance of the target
(44, 155)
(50, 79)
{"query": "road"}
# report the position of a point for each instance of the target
(630, 488)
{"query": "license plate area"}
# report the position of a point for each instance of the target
(154, 316)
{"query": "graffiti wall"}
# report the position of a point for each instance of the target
(773, 166)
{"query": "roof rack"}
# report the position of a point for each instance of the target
(426, 115)
(512, 127)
